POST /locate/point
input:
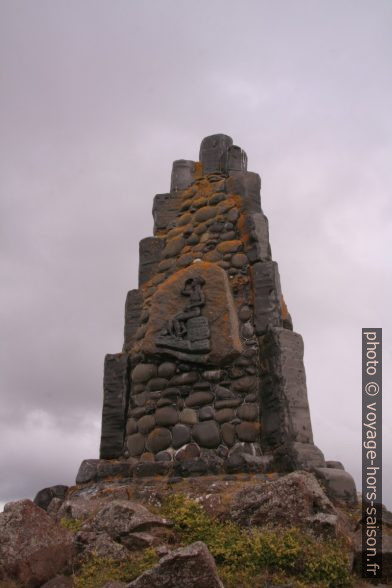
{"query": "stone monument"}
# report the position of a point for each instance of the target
(211, 376)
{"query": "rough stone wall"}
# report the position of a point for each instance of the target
(215, 383)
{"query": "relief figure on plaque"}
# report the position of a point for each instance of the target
(188, 330)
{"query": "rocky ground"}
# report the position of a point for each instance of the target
(229, 531)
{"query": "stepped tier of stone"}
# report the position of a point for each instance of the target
(211, 375)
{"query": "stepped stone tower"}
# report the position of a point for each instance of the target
(211, 375)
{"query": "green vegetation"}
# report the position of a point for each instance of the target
(247, 557)
(73, 525)
(96, 571)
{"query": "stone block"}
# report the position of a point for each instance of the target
(199, 399)
(285, 409)
(338, 483)
(150, 254)
(206, 413)
(133, 311)
(297, 456)
(115, 404)
(111, 469)
(118, 518)
(181, 435)
(33, 548)
(87, 471)
(289, 500)
(165, 210)
(144, 372)
(206, 434)
(167, 369)
(174, 247)
(237, 159)
(188, 453)
(159, 439)
(267, 296)
(187, 567)
(166, 416)
(257, 247)
(214, 153)
(248, 185)
(147, 469)
(182, 175)
(334, 464)
(44, 497)
(136, 444)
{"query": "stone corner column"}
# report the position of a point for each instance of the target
(286, 424)
(237, 160)
(248, 185)
(164, 210)
(214, 153)
(150, 249)
(183, 174)
(286, 415)
(133, 311)
(115, 404)
(267, 296)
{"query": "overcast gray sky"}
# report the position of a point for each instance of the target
(97, 99)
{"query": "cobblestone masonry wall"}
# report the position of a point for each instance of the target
(211, 375)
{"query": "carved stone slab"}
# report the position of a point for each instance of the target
(217, 327)
(197, 340)
(198, 328)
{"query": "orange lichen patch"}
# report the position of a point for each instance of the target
(238, 200)
(227, 204)
(202, 182)
(174, 232)
(156, 279)
(198, 170)
(199, 201)
(186, 204)
(241, 226)
(238, 282)
(160, 233)
(229, 246)
(187, 193)
(212, 256)
(283, 307)
(184, 219)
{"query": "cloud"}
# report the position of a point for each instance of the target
(40, 450)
